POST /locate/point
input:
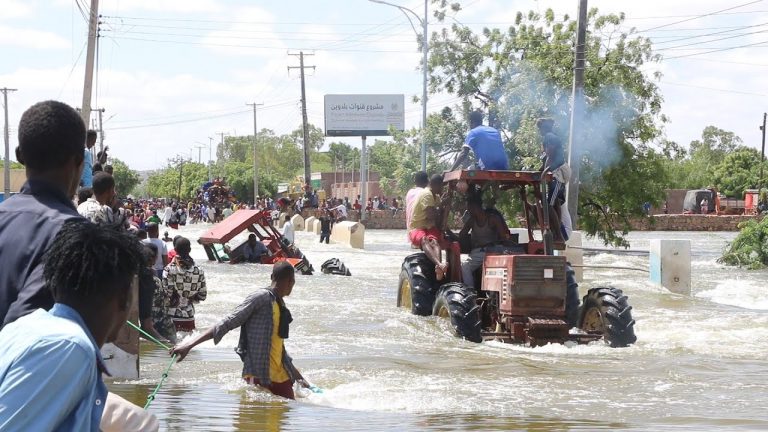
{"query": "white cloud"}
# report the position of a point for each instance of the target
(14, 9)
(27, 38)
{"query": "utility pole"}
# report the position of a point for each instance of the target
(576, 134)
(181, 171)
(221, 134)
(7, 165)
(101, 130)
(307, 175)
(762, 158)
(93, 25)
(210, 158)
(199, 154)
(255, 154)
(363, 178)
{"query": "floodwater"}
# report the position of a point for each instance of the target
(699, 362)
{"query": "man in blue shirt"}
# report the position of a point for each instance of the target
(485, 142)
(51, 136)
(50, 364)
(86, 180)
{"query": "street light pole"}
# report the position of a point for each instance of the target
(425, 50)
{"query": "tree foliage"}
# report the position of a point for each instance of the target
(126, 179)
(750, 248)
(524, 72)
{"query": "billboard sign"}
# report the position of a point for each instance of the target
(363, 115)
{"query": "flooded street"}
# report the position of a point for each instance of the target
(699, 362)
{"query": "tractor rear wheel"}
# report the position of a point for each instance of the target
(459, 303)
(606, 310)
(416, 287)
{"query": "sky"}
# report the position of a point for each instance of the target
(172, 74)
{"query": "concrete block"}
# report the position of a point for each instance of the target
(298, 222)
(309, 222)
(316, 226)
(574, 254)
(349, 233)
(670, 265)
(522, 232)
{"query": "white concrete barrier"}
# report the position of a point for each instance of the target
(298, 222)
(316, 225)
(309, 223)
(349, 233)
(574, 254)
(670, 265)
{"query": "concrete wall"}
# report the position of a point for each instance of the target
(383, 219)
(678, 222)
(18, 177)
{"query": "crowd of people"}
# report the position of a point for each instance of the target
(66, 289)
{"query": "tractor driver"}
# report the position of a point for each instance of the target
(487, 228)
(424, 231)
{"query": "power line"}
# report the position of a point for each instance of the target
(194, 119)
(714, 89)
(719, 50)
(215, 36)
(684, 38)
(711, 40)
(700, 16)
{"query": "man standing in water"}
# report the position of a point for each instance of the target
(263, 319)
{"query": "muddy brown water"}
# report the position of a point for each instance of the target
(699, 363)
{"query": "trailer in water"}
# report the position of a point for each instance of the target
(259, 223)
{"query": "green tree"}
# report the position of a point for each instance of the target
(126, 179)
(164, 183)
(705, 155)
(738, 170)
(523, 72)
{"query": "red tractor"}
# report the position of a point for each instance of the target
(526, 294)
(259, 223)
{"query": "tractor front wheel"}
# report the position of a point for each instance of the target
(605, 310)
(459, 303)
(416, 289)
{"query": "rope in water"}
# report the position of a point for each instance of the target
(147, 335)
(152, 395)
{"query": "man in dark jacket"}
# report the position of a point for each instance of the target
(51, 144)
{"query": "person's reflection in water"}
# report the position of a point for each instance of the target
(258, 415)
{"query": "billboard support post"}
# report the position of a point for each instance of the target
(363, 179)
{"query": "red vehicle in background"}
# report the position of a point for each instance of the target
(259, 223)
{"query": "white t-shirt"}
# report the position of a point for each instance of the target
(167, 214)
(161, 250)
(288, 231)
